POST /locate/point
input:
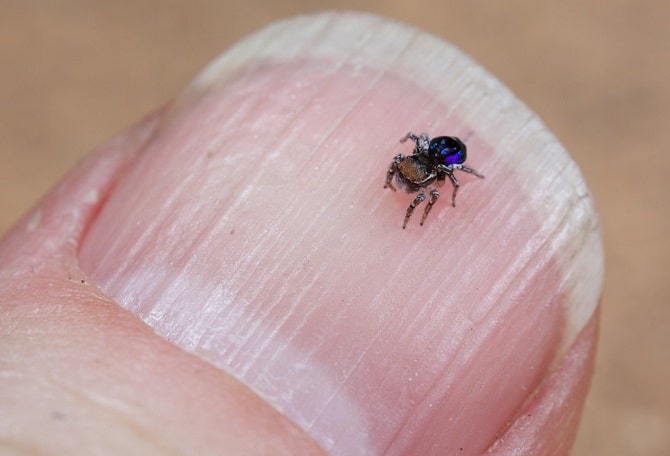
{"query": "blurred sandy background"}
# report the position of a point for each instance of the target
(73, 73)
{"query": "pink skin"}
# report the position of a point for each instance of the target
(247, 226)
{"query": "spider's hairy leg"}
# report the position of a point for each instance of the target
(455, 184)
(454, 181)
(469, 170)
(393, 168)
(410, 209)
(411, 136)
(434, 195)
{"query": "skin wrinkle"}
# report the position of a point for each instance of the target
(52, 381)
(124, 416)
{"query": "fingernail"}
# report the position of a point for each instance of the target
(254, 230)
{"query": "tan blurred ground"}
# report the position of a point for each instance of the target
(597, 72)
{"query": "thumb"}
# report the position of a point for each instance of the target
(253, 231)
(260, 237)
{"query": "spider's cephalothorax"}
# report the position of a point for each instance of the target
(431, 163)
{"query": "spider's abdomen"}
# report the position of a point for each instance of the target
(448, 150)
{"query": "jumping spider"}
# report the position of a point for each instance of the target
(433, 161)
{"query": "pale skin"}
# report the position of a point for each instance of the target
(239, 242)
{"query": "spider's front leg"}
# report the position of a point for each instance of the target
(410, 209)
(411, 136)
(393, 168)
(420, 142)
(434, 195)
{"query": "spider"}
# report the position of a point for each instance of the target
(433, 161)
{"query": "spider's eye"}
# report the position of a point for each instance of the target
(449, 150)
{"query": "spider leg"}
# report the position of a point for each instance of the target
(419, 198)
(426, 141)
(454, 181)
(455, 184)
(421, 142)
(393, 167)
(469, 170)
(434, 195)
(411, 136)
